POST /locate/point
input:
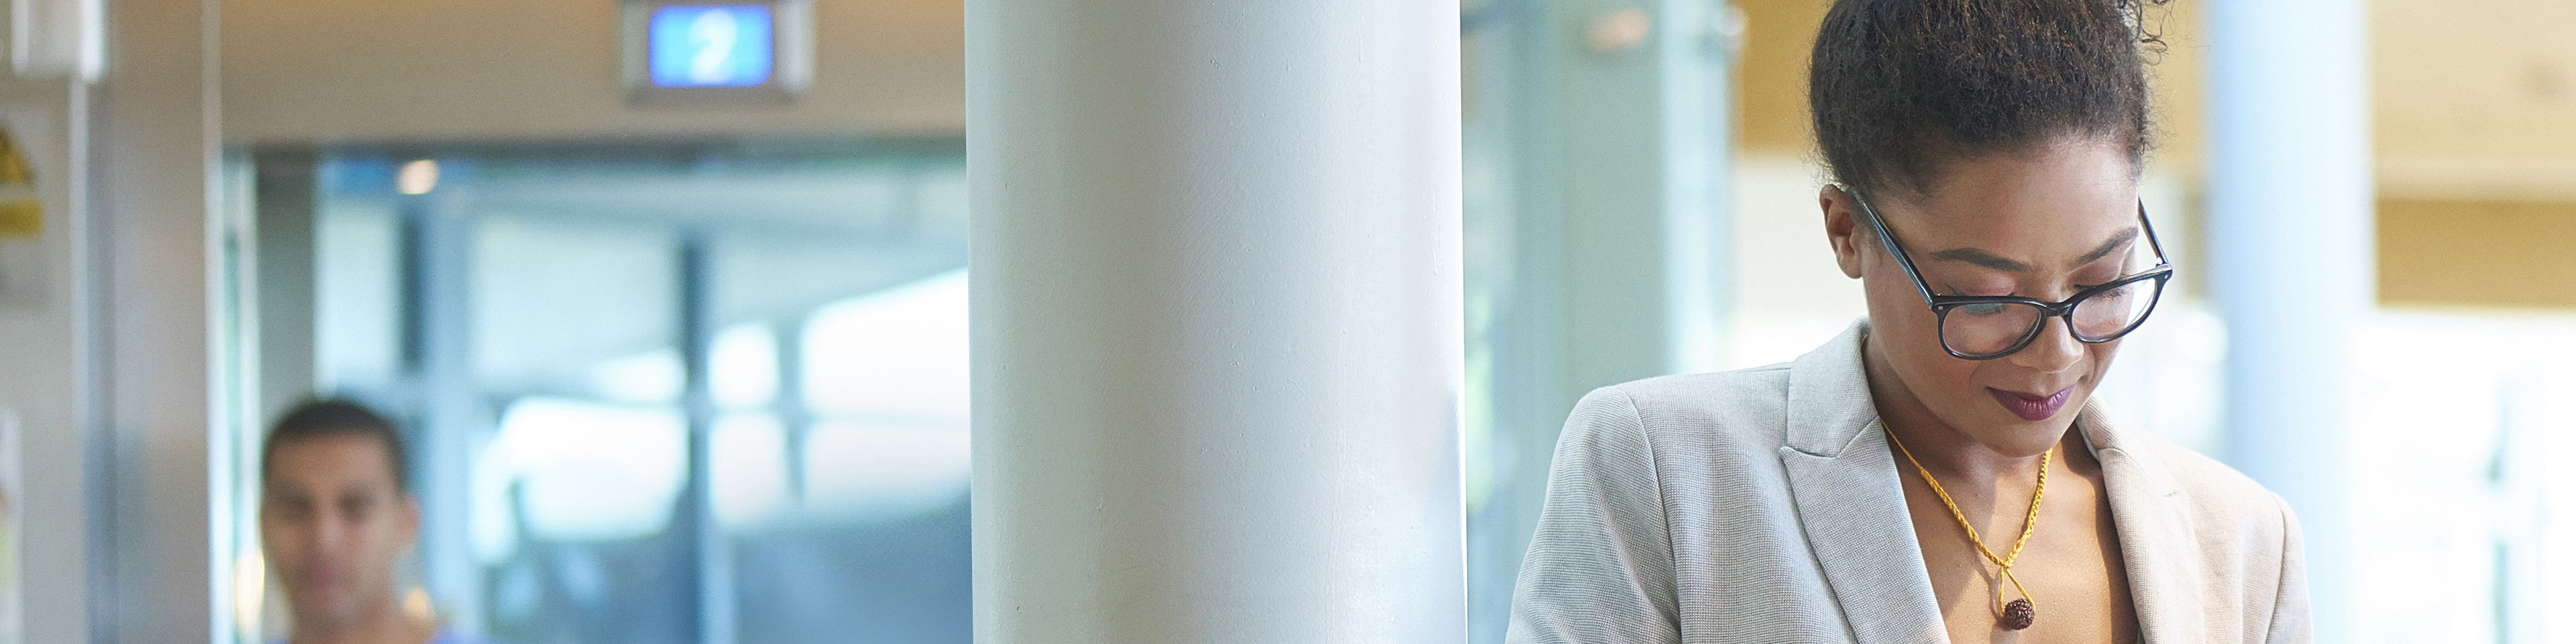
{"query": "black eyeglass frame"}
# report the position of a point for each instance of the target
(1942, 304)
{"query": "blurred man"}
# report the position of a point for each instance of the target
(334, 516)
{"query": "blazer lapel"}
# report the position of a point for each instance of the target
(1851, 505)
(2155, 535)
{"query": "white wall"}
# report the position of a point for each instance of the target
(37, 371)
(1790, 296)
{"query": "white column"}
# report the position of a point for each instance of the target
(149, 347)
(2291, 239)
(1217, 320)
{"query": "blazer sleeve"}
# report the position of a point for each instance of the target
(1600, 566)
(2290, 617)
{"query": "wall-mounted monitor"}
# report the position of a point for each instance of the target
(717, 51)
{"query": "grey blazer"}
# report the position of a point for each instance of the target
(1761, 506)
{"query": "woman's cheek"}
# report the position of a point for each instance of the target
(2101, 355)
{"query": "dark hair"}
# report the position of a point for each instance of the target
(1899, 87)
(322, 418)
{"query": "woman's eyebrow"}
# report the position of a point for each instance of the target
(2117, 241)
(1982, 258)
(1998, 262)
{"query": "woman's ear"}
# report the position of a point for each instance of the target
(1842, 228)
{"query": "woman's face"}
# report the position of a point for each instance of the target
(2041, 223)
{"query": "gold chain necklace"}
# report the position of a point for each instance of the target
(2019, 613)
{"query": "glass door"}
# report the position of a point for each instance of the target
(653, 393)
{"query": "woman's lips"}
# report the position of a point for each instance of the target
(2031, 407)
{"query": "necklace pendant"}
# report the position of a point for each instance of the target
(2018, 615)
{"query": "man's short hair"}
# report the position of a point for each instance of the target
(332, 417)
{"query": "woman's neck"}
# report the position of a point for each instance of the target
(1941, 448)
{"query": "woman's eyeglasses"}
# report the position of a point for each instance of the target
(1983, 327)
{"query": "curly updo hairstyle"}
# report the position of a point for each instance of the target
(1900, 87)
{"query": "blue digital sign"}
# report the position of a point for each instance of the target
(713, 45)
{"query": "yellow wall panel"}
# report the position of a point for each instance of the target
(297, 71)
(1771, 92)
(2475, 99)
(2479, 253)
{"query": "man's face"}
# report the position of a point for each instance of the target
(333, 523)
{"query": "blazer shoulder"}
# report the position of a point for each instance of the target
(2250, 548)
(2212, 490)
(1745, 405)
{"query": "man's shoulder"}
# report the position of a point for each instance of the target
(447, 635)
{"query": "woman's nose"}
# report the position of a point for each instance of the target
(2055, 350)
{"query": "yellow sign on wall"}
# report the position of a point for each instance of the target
(21, 213)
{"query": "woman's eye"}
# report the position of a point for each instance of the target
(2100, 274)
(1980, 309)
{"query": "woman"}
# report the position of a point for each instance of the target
(1938, 472)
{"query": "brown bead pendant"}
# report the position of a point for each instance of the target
(2018, 615)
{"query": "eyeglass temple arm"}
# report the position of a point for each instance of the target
(2150, 227)
(1888, 239)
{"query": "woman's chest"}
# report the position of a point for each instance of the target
(2070, 570)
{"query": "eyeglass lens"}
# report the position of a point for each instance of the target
(1987, 329)
(1992, 329)
(2110, 313)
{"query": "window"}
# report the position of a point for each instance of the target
(657, 394)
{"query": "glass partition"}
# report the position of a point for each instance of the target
(657, 393)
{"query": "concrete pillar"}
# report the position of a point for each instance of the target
(2291, 243)
(1217, 320)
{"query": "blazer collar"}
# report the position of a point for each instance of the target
(1829, 401)
(2162, 558)
(1851, 503)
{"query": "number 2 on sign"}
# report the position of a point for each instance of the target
(714, 33)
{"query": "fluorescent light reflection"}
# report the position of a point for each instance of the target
(583, 471)
(878, 472)
(417, 177)
(743, 366)
(749, 459)
(886, 374)
(649, 378)
(898, 353)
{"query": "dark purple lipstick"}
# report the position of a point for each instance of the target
(2032, 407)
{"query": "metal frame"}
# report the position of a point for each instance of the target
(712, 554)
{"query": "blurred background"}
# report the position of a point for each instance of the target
(680, 348)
